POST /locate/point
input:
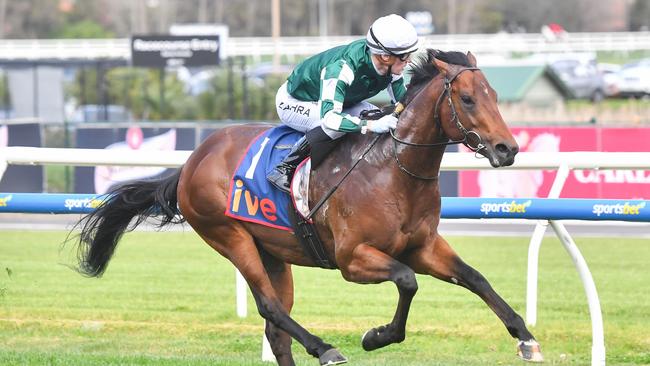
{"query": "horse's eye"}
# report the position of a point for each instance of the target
(467, 100)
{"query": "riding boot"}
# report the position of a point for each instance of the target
(281, 175)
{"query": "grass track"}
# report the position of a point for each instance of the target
(168, 299)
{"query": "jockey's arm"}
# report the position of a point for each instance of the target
(335, 80)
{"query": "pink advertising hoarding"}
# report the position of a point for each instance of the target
(621, 184)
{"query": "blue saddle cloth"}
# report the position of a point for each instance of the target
(251, 197)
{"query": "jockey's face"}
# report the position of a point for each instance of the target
(396, 63)
(399, 62)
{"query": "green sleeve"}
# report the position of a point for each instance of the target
(334, 82)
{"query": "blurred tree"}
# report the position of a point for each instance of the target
(3, 16)
(29, 19)
(82, 29)
(295, 17)
(176, 104)
(640, 15)
(3, 94)
(573, 15)
(215, 103)
(138, 90)
(45, 18)
(492, 21)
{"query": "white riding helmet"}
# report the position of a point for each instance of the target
(392, 35)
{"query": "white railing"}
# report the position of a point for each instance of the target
(451, 161)
(503, 43)
(562, 162)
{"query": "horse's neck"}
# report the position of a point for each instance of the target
(417, 125)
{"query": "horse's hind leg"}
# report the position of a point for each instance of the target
(236, 244)
(282, 281)
(369, 265)
(437, 258)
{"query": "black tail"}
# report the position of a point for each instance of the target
(102, 229)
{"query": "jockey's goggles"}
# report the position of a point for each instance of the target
(404, 57)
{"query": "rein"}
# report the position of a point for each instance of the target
(436, 117)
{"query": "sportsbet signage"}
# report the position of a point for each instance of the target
(167, 50)
(545, 209)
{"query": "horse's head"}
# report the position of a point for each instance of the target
(464, 105)
(472, 113)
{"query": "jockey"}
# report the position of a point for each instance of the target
(325, 94)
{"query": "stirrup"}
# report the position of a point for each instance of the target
(280, 180)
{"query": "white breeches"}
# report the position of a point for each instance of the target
(304, 116)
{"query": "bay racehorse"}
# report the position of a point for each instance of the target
(380, 225)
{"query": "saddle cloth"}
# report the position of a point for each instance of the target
(251, 197)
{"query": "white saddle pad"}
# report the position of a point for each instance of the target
(300, 187)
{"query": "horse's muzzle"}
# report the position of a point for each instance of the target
(502, 154)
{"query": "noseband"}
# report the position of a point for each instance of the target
(436, 117)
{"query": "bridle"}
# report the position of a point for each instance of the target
(436, 117)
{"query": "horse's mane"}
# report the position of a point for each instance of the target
(424, 70)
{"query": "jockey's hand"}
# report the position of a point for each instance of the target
(383, 124)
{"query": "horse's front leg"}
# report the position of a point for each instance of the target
(369, 265)
(438, 259)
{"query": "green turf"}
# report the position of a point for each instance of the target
(168, 299)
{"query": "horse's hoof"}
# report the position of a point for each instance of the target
(530, 351)
(378, 337)
(332, 357)
(369, 340)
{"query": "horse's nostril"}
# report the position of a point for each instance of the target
(502, 149)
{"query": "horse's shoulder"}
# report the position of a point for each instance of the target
(348, 151)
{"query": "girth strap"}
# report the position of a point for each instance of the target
(308, 237)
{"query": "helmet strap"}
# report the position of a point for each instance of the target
(372, 34)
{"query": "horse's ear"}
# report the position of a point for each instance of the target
(442, 66)
(472, 59)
